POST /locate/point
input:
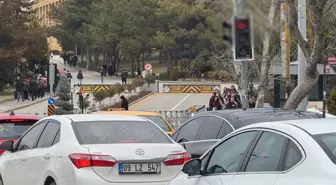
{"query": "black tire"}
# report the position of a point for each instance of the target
(1, 183)
(52, 183)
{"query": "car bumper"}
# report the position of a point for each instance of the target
(94, 179)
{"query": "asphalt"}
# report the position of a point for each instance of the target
(171, 102)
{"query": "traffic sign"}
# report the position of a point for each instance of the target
(51, 101)
(148, 67)
(332, 60)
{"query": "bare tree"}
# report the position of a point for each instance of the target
(313, 55)
(266, 60)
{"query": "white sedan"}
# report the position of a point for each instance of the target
(300, 152)
(92, 150)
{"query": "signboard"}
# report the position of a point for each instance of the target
(148, 67)
(51, 101)
(189, 88)
(51, 110)
(94, 88)
(331, 61)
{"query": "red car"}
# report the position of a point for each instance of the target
(12, 126)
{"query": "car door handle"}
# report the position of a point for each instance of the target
(47, 156)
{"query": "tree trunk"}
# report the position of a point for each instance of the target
(132, 68)
(266, 62)
(88, 56)
(160, 56)
(143, 63)
(82, 54)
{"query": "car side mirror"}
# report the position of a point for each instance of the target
(7, 145)
(192, 167)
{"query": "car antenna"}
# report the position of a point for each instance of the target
(12, 113)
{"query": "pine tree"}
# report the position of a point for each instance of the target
(63, 92)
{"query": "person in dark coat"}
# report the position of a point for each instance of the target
(124, 77)
(19, 89)
(105, 69)
(33, 88)
(80, 77)
(26, 89)
(40, 87)
(124, 102)
(110, 70)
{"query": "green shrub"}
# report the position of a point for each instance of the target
(150, 79)
(138, 82)
(331, 102)
(99, 96)
(130, 87)
(119, 88)
(110, 93)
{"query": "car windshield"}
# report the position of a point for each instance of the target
(328, 144)
(11, 130)
(160, 122)
(114, 132)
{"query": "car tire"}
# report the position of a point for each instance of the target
(52, 183)
(1, 183)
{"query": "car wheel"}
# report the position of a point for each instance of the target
(52, 183)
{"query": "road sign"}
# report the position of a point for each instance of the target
(51, 101)
(243, 39)
(148, 67)
(332, 60)
(51, 110)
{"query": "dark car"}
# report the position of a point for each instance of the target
(203, 130)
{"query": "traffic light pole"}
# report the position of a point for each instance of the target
(244, 64)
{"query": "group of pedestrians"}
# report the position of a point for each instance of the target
(30, 88)
(103, 72)
(70, 59)
(229, 99)
(80, 76)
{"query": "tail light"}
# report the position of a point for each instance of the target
(88, 160)
(177, 159)
(2, 151)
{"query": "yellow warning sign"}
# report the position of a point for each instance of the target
(51, 110)
(188, 89)
(94, 88)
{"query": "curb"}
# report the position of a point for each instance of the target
(138, 100)
(24, 106)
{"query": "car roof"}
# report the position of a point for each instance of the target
(134, 113)
(242, 117)
(315, 126)
(12, 115)
(106, 117)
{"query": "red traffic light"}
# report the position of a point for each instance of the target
(242, 24)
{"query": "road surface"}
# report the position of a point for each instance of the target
(171, 102)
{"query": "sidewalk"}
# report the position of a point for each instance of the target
(14, 104)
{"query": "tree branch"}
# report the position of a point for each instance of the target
(295, 29)
(317, 15)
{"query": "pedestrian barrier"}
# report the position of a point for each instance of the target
(170, 88)
(51, 110)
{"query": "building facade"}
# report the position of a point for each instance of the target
(43, 9)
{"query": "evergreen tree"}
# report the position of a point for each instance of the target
(63, 92)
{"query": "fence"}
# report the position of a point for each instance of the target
(177, 118)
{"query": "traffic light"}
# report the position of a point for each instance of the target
(243, 42)
(226, 37)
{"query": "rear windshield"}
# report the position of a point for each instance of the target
(11, 130)
(328, 144)
(160, 122)
(114, 132)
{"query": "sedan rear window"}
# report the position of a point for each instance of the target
(160, 122)
(328, 144)
(114, 132)
(11, 130)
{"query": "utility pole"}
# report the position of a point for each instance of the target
(244, 67)
(285, 47)
(324, 88)
(302, 18)
(51, 79)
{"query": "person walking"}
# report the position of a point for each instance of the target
(40, 83)
(124, 77)
(26, 89)
(124, 102)
(105, 69)
(33, 88)
(19, 89)
(80, 77)
(102, 74)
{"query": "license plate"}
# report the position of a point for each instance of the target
(139, 168)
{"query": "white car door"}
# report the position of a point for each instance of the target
(39, 158)
(264, 163)
(222, 162)
(17, 161)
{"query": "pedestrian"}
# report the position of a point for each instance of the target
(102, 74)
(75, 60)
(19, 89)
(33, 88)
(124, 77)
(233, 104)
(124, 102)
(252, 102)
(40, 83)
(105, 69)
(80, 77)
(110, 70)
(26, 89)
